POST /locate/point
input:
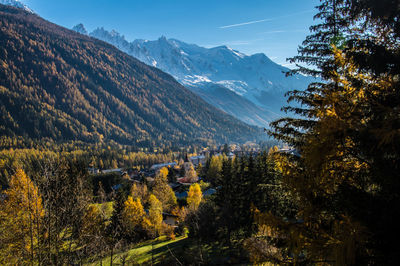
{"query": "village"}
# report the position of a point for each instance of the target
(180, 174)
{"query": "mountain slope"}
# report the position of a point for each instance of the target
(58, 84)
(255, 78)
(241, 108)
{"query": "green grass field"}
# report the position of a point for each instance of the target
(142, 254)
(181, 251)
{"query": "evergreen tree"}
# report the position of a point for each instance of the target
(349, 153)
(116, 227)
(171, 175)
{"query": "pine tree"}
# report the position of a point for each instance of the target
(116, 227)
(347, 139)
(171, 175)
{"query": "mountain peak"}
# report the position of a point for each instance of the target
(80, 28)
(253, 77)
(16, 3)
(163, 39)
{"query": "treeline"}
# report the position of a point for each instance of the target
(246, 186)
(102, 158)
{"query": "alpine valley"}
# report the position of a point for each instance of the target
(250, 88)
(62, 86)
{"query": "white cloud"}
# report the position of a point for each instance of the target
(264, 20)
(244, 23)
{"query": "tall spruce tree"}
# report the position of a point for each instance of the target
(372, 66)
(116, 227)
(346, 177)
(323, 229)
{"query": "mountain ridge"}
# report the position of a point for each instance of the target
(256, 78)
(59, 84)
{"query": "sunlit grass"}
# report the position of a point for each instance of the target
(142, 254)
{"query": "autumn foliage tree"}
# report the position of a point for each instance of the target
(139, 191)
(155, 215)
(194, 197)
(133, 216)
(163, 192)
(21, 216)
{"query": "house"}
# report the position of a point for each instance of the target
(155, 167)
(196, 160)
(116, 170)
(93, 170)
(170, 219)
(116, 187)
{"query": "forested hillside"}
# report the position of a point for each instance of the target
(60, 85)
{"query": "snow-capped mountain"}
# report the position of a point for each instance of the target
(16, 3)
(80, 29)
(258, 81)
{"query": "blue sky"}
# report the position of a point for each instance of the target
(273, 27)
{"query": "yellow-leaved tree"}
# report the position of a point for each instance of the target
(194, 197)
(155, 215)
(163, 173)
(21, 216)
(164, 193)
(133, 215)
(139, 191)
